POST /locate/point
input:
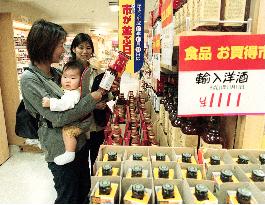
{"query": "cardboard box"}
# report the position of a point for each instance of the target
(222, 153)
(178, 151)
(104, 149)
(161, 136)
(255, 153)
(182, 186)
(206, 145)
(130, 150)
(182, 171)
(126, 192)
(213, 173)
(116, 166)
(172, 169)
(113, 198)
(212, 199)
(165, 150)
(225, 190)
(235, 152)
(128, 165)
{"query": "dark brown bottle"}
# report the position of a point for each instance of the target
(138, 191)
(215, 160)
(137, 171)
(137, 156)
(190, 126)
(104, 187)
(107, 170)
(192, 172)
(242, 159)
(163, 171)
(243, 196)
(212, 133)
(160, 156)
(112, 156)
(201, 192)
(262, 158)
(168, 191)
(186, 157)
(226, 175)
(257, 175)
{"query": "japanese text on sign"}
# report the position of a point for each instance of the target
(127, 29)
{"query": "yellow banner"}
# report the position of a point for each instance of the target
(126, 31)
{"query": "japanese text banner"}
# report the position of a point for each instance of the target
(222, 52)
(131, 32)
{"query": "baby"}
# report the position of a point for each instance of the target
(70, 81)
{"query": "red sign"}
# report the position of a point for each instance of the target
(237, 52)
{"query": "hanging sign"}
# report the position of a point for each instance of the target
(221, 75)
(131, 32)
(156, 56)
(167, 32)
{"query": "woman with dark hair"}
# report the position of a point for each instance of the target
(82, 49)
(45, 45)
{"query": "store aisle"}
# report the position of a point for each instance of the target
(25, 178)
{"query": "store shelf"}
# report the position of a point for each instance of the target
(168, 69)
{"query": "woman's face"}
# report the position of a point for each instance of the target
(83, 52)
(58, 52)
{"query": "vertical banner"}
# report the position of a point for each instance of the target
(131, 32)
(167, 32)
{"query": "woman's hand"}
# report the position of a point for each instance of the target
(45, 102)
(97, 95)
(101, 105)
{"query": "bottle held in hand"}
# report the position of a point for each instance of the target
(114, 71)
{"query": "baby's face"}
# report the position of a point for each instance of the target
(71, 79)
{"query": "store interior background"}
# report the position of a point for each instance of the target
(24, 177)
(98, 19)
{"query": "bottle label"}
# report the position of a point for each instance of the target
(107, 81)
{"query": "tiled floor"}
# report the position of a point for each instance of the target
(25, 178)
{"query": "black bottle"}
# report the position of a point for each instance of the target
(163, 172)
(160, 156)
(257, 175)
(137, 171)
(226, 175)
(201, 192)
(138, 191)
(242, 159)
(107, 170)
(112, 156)
(243, 196)
(137, 156)
(215, 160)
(192, 172)
(262, 158)
(186, 157)
(168, 191)
(104, 187)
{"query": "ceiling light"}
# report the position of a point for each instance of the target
(113, 5)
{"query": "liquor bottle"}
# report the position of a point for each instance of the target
(242, 159)
(192, 172)
(212, 133)
(163, 171)
(137, 156)
(137, 171)
(112, 156)
(226, 175)
(186, 157)
(167, 191)
(262, 158)
(243, 195)
(138, 191)
(114, 71)
(215, 160)
(107, 170)
(160, 156)
(104, 187)
(257, 175)
(201, 192)
(190, 126)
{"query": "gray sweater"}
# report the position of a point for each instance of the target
(35, 85)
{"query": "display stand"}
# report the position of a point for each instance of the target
(8, 77)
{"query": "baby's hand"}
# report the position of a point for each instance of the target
(97, 95)
(45, 102)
